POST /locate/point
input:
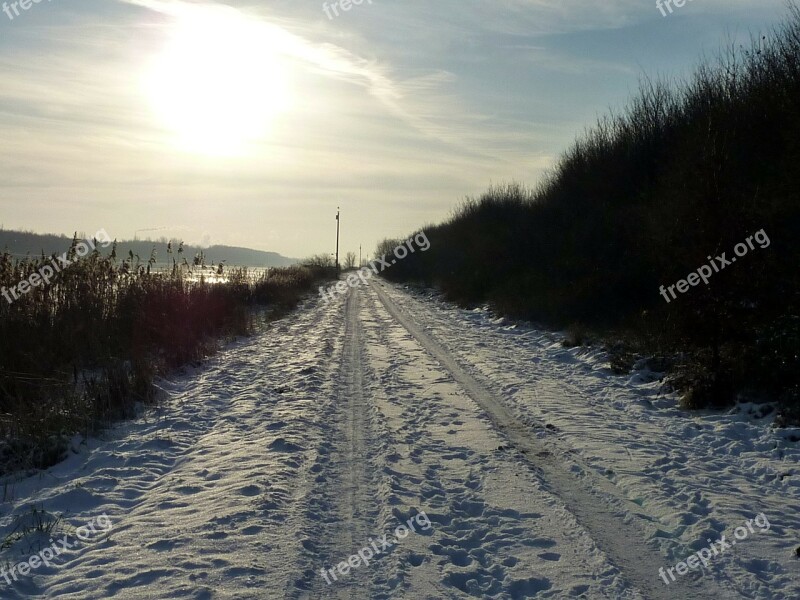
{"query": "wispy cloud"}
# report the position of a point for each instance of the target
(328, 59)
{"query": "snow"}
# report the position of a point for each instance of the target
(543, 474)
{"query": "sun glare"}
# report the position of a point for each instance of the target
(218, 83)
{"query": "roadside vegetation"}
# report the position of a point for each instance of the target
(688, 170)
(83, 351)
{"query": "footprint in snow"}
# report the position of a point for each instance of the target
(281, 445)
(552, 556)
(524, 588)
(250, 490)
(415, 559)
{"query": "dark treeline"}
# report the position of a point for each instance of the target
(25, 243)
(689, 169)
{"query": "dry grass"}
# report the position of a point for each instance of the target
(82, 351)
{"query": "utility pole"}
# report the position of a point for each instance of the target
(360, 263)
(337, 241)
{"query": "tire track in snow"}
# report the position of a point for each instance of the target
(695, 474)
(346, 485)
(605, 513)
(497, 533)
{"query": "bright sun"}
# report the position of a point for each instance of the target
(218, 83)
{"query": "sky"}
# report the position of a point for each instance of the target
(248, 123)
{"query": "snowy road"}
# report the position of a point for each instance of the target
(537, 473)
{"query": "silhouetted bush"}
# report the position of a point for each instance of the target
(83, 351)
(688, 170)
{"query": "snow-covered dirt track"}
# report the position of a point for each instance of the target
(524, 469)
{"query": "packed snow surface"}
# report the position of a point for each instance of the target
(496, 463)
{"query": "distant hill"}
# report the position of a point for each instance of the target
(20, 244)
